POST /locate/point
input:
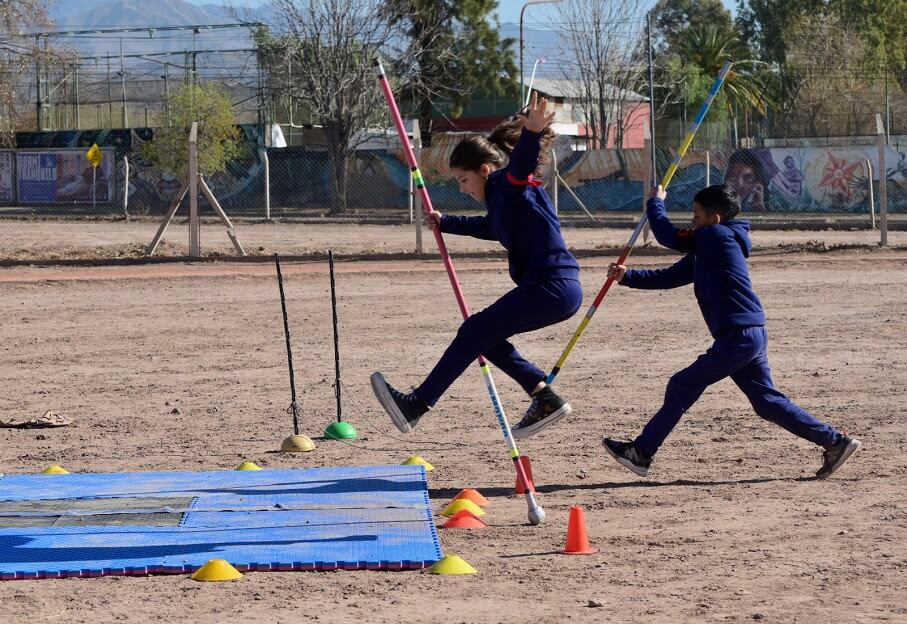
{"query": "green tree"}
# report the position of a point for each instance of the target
(673, 17)
(218, 136)
(881, 24)
(451, 50)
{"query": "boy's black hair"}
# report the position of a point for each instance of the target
(719, 198)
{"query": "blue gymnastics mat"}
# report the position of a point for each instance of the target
(85, 525)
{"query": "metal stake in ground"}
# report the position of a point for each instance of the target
(535, 512)
(295, 442)
(339, 430)
(716, 86)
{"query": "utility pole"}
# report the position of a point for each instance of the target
(109, 95)
(654, 168)
(38, 79)
(167, 93)
(123, 75)
(75, 72)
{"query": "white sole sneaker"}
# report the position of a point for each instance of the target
(379, 387)
(642, 471)
(521, 433)
(852, 447)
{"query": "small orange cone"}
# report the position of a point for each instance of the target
(577, 539)
(464, 519)
(472, 495)
(527, 467)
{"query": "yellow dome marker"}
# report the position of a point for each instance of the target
(216, 570)
(415, 460)
(55, 469)
(297, 444)
(247, 465)
(452, 564)
(462, 503)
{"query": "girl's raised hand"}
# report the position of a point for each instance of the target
(537, 117)
(432, 219)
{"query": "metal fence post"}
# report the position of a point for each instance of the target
(708, 168)
(872, 203)
(883, 183)
(416, 200)
(194, 242)
(267, 174)
(126, 187)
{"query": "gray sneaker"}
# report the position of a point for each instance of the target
(546, 409)
(628, 456)
(834, 457)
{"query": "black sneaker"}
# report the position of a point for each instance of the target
(628, 455)
(834, 457)
(404, 409)
(546, 409)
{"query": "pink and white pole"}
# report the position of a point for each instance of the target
(535, 512)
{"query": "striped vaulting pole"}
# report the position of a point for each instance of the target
(688, 139)
(535, 512)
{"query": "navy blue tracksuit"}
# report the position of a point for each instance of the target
(520, 216)
(715, 263)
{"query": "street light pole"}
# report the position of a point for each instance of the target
(522, 43)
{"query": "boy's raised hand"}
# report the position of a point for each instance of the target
(537, 117)
(658, 192)
(616, 271)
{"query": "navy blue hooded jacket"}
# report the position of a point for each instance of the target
(715, 262)
(521, 218)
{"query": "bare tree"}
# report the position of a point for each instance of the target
(829, 91)
(331, 45)
(22, 57)
(603, 47)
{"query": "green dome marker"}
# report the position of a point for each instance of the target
(340, 431)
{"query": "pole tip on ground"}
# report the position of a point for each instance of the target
(340, 431)
(461, 504)
(216, 570)
(415, 460)
(55, 469)
(452, 564)
(297, 444)
(472, 495)
(247, 465)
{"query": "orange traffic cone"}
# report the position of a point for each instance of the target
(464, 519)
(577, 539)
(527, 468)
(472, 495)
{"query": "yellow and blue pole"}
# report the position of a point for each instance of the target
(684, 146)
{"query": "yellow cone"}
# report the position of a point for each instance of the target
(452, 564)
(297, 444)
(247, 465)
(217, 570)
(462, 503)
(415, 460)
(55, 469)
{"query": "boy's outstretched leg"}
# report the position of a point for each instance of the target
(755, 380)
(404, 409)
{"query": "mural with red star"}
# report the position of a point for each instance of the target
(839, 173)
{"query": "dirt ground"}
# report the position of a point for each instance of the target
(730, 525)
(24, 240)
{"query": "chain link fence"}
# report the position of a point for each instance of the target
(55, 205)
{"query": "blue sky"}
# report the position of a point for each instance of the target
(508, 10)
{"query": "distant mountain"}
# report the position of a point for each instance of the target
(110, 14)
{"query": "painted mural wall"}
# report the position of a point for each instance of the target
(804, 180)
